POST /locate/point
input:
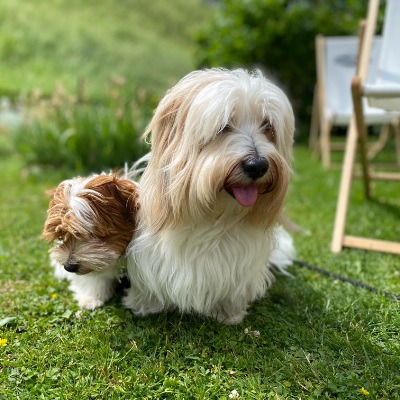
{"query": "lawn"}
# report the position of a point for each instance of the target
(312, 337)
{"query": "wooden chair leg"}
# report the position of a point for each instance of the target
(380, 144)
(361, 129)
(345, 186)
(325, 144)
(339, 239)
(396, 129)
(314, 126)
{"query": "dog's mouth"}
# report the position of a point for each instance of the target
(245, 195)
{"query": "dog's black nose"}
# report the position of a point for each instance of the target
(71, 267)
(255, 167)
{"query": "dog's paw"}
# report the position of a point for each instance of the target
(141, 306)
(228, 318)
(90, 303)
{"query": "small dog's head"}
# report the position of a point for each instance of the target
(221, 149)
(91, 220)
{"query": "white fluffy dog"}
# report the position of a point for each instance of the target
(211, 196)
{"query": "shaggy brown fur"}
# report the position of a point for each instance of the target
(100, 210)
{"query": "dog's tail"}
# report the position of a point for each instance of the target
(137, 168)
(284, 252)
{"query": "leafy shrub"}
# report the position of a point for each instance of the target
(65, 132)
(277, 36)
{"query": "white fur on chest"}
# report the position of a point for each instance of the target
(199, 269)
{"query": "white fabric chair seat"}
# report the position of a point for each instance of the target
(372, 116)
(383, 96)
(341, 54)
(384, 91)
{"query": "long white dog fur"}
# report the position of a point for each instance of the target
(211, 196)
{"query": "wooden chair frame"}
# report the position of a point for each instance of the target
(357, 135)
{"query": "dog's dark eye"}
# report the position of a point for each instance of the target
(226, 129)
(268, 130)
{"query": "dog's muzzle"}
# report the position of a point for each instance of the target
(255, 167)
(71, 267)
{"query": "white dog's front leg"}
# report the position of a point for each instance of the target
(228, 314)
(141, 304)
(92, 290)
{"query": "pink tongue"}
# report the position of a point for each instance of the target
(246, 196)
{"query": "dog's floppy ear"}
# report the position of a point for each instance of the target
(166, 127)
(49, 233)
(127, 193)
(165, 135)
(53, 226)
(116, 210)
(172, 155)
(115, 202)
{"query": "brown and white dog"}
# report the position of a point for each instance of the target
(91, 221)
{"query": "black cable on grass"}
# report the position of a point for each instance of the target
(347, 280)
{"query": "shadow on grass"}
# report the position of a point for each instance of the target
(325, 348)
(388, 208)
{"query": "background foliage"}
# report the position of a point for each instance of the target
(277, 36)
(86, 76)
(62, 131)
(43, 42)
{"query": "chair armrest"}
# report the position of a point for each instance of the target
(386, 91)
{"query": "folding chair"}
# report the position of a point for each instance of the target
(383, 91)
(336, 60)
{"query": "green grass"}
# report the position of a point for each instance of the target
(149, 43)
(319, 338)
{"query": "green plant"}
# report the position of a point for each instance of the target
(77, 135)
(279, 37)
